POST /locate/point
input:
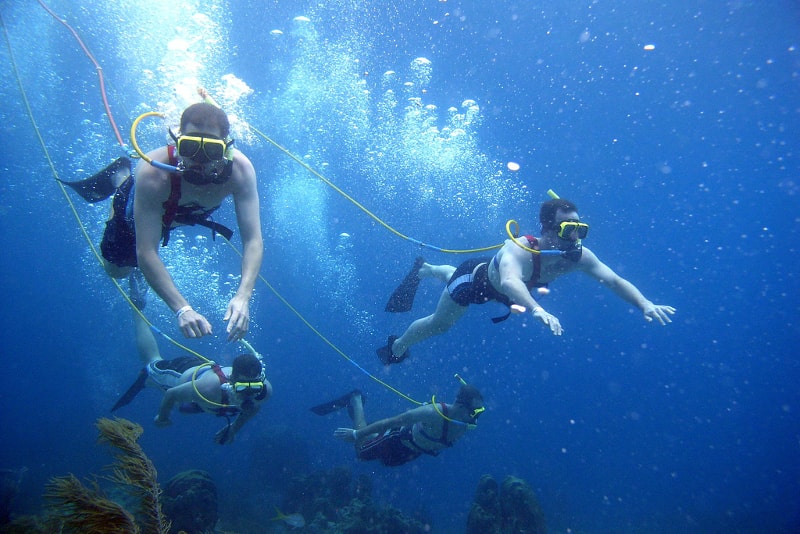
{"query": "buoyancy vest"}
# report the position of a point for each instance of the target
(187, 215)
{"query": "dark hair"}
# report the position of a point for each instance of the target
(204, 116)
(547, 214)
(470, 397)
(246, 365)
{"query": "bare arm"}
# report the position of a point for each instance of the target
(178, 394)
(404, 419)
(152, 190)
(227, 434)
(512, 284)
(625, 290)
(245, 198)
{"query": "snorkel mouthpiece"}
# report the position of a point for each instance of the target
(574, 254)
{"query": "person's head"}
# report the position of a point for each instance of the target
(247, 376)
(549, 215)
(246, 368)
(471, 399)
(203, 145)
(560, 219)
(205, 118)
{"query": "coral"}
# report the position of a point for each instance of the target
(190, 502)
(134, 470)
(74, 507)
(513, 509)
(520, 509)
(82, 509)
(332, 502)
(484, 516)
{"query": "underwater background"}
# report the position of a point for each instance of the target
(672, 125)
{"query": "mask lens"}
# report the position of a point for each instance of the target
(566, 228)
(214, 149)
(189, 147)
(251, 388)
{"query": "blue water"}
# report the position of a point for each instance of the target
(683, 159)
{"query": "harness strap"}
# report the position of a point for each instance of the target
(537, 262)
(223, 379)
(442, 439)
(215, 227)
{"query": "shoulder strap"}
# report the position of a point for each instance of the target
(445, 427)
(537, 260)
(223, 379)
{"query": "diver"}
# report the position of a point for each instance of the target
(198, 386)
(522, 266)
(427, 429)
(180, 184)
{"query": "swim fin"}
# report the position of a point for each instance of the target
(403, 297)
(103, 184)
(385, 353)
(134, 390)
(337, 404)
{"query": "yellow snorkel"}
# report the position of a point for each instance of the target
(135, 143)
(163, 166)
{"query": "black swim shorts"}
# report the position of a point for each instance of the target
(119, 238)
(467, 288)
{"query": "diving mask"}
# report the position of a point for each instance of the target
(249, 388)
(201, 148)
(476, 412)
(565, 229)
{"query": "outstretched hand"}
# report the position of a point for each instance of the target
(238, 317)
(192, 324)
(224, 436)
(658, 312)
(345, 434)
(549, 320)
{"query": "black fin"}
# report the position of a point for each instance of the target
(103, 184)
(403, 297)
(134, 390)
(385, 353)
(334, 405)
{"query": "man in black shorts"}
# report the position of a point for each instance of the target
(521, 266)
(393, 441)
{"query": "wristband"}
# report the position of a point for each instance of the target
(182, 311)
(537, 308)
(354, 435)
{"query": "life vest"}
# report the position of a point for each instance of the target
(532, 283)
(441, 440)
(172, 207)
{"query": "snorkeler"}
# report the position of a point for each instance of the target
(521, 266)
(393, 441)
(198, 386)
(181, 184)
